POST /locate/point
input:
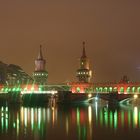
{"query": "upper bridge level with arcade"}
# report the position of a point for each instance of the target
(122, 87)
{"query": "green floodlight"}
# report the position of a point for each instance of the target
(6, 89)
(18, 89)
(14, 89)
(9, 89)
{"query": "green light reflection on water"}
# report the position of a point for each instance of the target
(14, 125)
(84, 133)
(32, 118)
(101, 117)
(115, 120)
(2, 123)
(78, 123)
(78, 116)
(6, 124)
(6, 109)
(39, 118)
(106, 118)
(139, 119)
(122, 119)
(129, 118)
(111, 119)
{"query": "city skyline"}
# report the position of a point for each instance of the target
(109, 28)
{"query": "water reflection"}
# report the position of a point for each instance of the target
(83, 122)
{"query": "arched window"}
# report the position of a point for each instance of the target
(110, 89)
(105, 89)
(86, 90)
(138, 89)
(115, 89)
(89, 90)
(100, 89)
(122, 90)
(97, 90)
(133, 89)
(128, 90)
(78, 89)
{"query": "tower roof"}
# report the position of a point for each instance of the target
(84, 51)
(40, 56)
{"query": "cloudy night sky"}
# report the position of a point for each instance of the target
(110, 28)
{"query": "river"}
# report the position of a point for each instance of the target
(94, 121)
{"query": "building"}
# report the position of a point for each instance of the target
(124, 86)
(16, 75)
(13, 75)
(83, 74)
(40, 74)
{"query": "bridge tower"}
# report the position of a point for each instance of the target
(84, 73)
(40, 74)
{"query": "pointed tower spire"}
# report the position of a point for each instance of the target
(40, 56)
(84, 72)
(84, 50)
(40, 74)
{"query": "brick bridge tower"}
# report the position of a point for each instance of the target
(40, 74)
(84, 74)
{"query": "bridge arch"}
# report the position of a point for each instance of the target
(100, 89)
(138, 89)
(110, 89)
(133, 89)
(105, 89)
(115, 89)
(121, 90)
(128, 90)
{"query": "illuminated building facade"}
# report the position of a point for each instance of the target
(40, 74)
(124, 86)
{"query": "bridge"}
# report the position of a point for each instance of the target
(68, 97)
(63, 97)
(64, 92)
(113, 97)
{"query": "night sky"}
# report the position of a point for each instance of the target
(110, 28)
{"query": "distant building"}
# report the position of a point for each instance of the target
(40, 74)
(16, 76)
(13, 74)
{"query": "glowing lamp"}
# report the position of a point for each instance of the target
(89, 95)
(135, 96)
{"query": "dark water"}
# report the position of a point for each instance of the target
(95, 121)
